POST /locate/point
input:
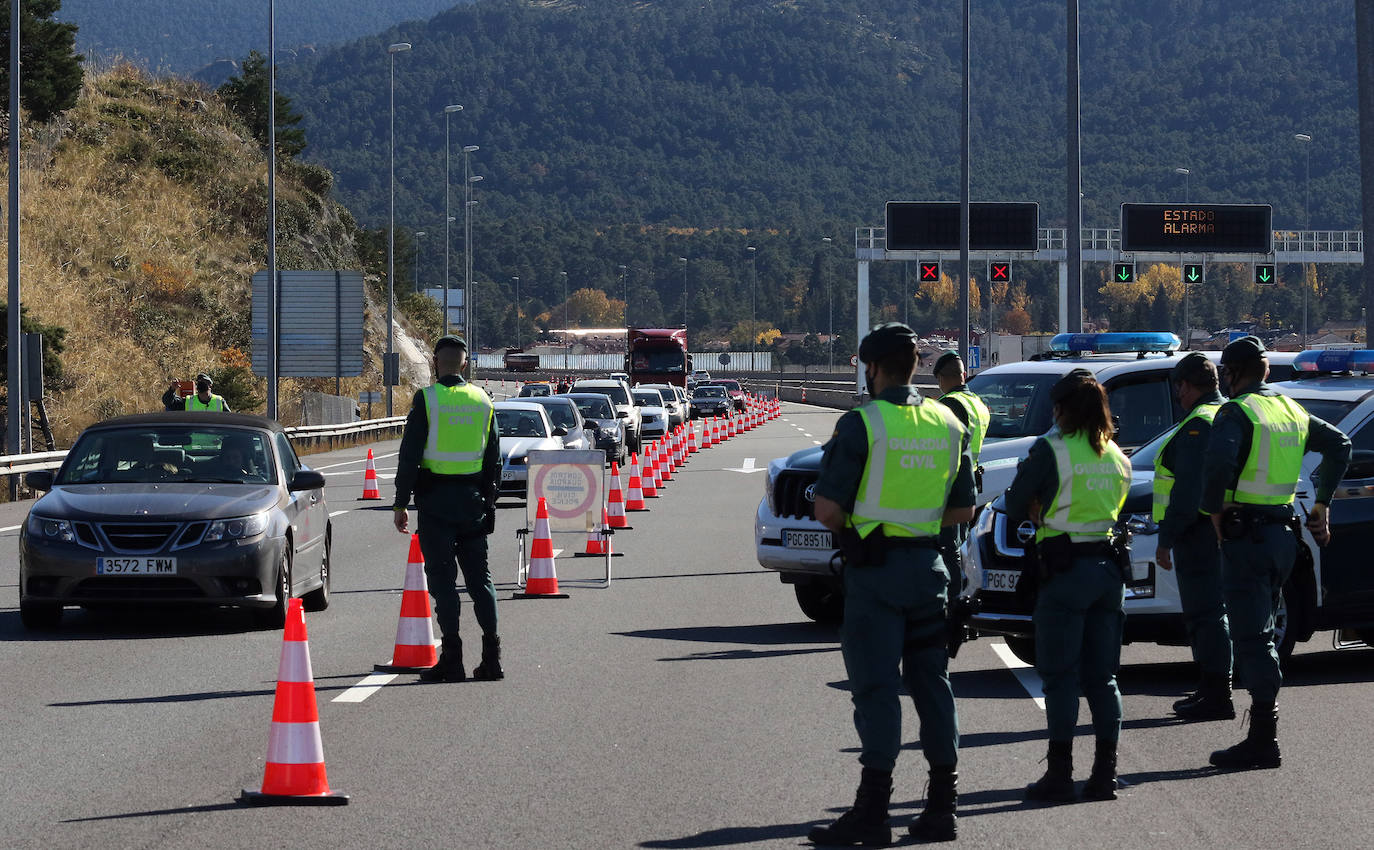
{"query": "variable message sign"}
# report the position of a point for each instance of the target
(1197, 228)
(934, 226)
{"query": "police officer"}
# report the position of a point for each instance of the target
(1254, 462)
(450, 458)
(1072, 485)
(973, 414)
(1188, 541)
(203, 399)
(896, 470)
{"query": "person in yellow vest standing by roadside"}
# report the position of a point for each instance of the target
(1253, 465)
(1072, 485)
(204, 398)
(974, 415)
(895, 472)
(450, 459)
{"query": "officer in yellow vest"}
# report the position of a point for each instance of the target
(203, 399)
(895, 472)
(450, 458)
(1072, 485)
(974, 415)
(1188, 543)
(1254, 463)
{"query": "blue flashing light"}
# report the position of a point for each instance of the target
(1334, 361)
(1115, 343)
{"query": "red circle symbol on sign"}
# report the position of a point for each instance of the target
(853, 360)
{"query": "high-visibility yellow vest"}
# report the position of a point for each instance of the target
(1092, 489)
(978, 418)
(1164, 476)
(216, 403)
(1278, 441)
(913, 459)
(459, 424)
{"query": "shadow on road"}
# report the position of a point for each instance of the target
(770, 634)
(132, 623)
(184, 810)
(192, 697)
(731, 835)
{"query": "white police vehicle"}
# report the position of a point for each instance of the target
(1133, 368)
(1330, 589)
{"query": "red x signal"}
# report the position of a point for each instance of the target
(1001, 271)
(930, 272)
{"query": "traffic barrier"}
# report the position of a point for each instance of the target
(615, 502)
(542, 582)
(414, 649)
(634, 498)
(370, 490)
(295, 774)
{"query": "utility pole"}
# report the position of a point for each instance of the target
(1364, 64)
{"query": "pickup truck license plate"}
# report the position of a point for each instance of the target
(807, 540)
(1003, 581)
(135, 566)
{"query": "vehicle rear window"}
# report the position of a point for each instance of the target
(1019, 403)
(648, 397)
(520, 423)
(595, 408)
(711, 391)
(615, 392)
(153, 453)
(561, 414)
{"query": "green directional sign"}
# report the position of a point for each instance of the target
(1193, 273)
(1265, 274)
(1123, 272)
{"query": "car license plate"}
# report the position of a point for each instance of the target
(807, 540)
(1001, 580)
(508, 475)
(135, 566)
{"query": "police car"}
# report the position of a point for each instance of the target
(1330, 589)
(1133, 368)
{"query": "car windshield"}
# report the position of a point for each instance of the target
(152, 453)
(520, 423)
(732, 386)
(529, 390)
(666, 392)
(659, 360)
(1019, 402)
(615, 392)
(594, 408)
(709, 392)
(562, 414)
(644, 398)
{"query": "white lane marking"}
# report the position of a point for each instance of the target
(333, 514)
(817, 442)
(747, 468)
(366, 688)
(804, 434)
(11, 528)
(380, 474)
(347, 462)
(1024, 673)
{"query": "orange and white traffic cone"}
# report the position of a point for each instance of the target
(415, 632)
(708, 433)
(646, 474)
(598, 541)
(658, 464)
(634, 498)
(370, 490)
(665, 456)
(615, 502)
(542, 581)
(692, 440)
(295, 774)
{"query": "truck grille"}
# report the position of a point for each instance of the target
(789, 494)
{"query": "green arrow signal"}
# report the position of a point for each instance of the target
(1125, 273)
(1192, 275)
(1264, 275)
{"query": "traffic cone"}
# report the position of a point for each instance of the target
(295, 774)
(615, 502)
(679, 447)
(665, 456)
(708, 433)
(370, 490)
(803, 395)
(415, 632)
(542, 582)
(634, 498)
(656, 463)
(598, 541)
(692, 440)
(646, 474)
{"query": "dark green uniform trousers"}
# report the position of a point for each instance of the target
(894, 633)
(1252, 575)
(1197, 566)
(448, 544)
(1078, 624)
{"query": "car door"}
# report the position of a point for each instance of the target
(1143, 406)
(304, 507)
(1347, 583)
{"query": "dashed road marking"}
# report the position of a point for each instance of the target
(333, 514)
(1024, 673)
(366, 688)
(11, 528)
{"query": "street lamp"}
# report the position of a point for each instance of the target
(419, 234)
(470, 325)
(516, 278)
(392, 50)
(625, 293)
(830, 309)
(448, 216)
(1185, 172)
(1306, 140)
(683, 260)
(753, 303)
(566, 345)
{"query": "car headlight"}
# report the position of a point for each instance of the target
(236, 528)
(983, 524)
(516, 461)
(51, 529)
(1141, 524)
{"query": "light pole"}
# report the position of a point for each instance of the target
(398, 47)
(470, 323)
(1306, 139)
(516, 278)
(566, 345)
(419, 234)
(683, 260)
(753, 302)
(1185, 172)
(625, 294)
(448, 215)
(830, 309)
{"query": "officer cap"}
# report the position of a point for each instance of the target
(203, 378)
(450, 341)
(1246, 351)
(1065, 386)
(886, 339)
(945, 359)
(1193, 369)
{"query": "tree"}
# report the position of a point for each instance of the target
(52, 74)
(246, 97)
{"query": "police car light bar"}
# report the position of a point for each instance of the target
(1334, 361)
(1115, 343)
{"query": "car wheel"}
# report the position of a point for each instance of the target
(275, 617)
(318, 599)
(40, 616)
(821, 601)
(1023, 648)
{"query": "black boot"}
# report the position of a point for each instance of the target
(938, 822)
(490, 668)
(866, 822)
(1193, 696)
(450, 666)
(1101, 784)
(1056, 786)
(1260, 747)
(1213, 702)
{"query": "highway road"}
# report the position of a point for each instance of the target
(689, 704)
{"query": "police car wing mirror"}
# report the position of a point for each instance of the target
(306, 479)
(622, 414)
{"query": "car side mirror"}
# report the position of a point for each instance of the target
(560, 431)
(622, 414)
(306, 479)
(40, 479)
(589, 427)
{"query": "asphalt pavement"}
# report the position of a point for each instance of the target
(689, 704)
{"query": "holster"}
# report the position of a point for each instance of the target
(852, 552)
(1055, 555)
(957, 615)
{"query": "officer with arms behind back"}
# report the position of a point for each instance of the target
(1188, 541)
(1254, 461)
(1072, 485)
(451, 459)
(894, 473)
(203, 399)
